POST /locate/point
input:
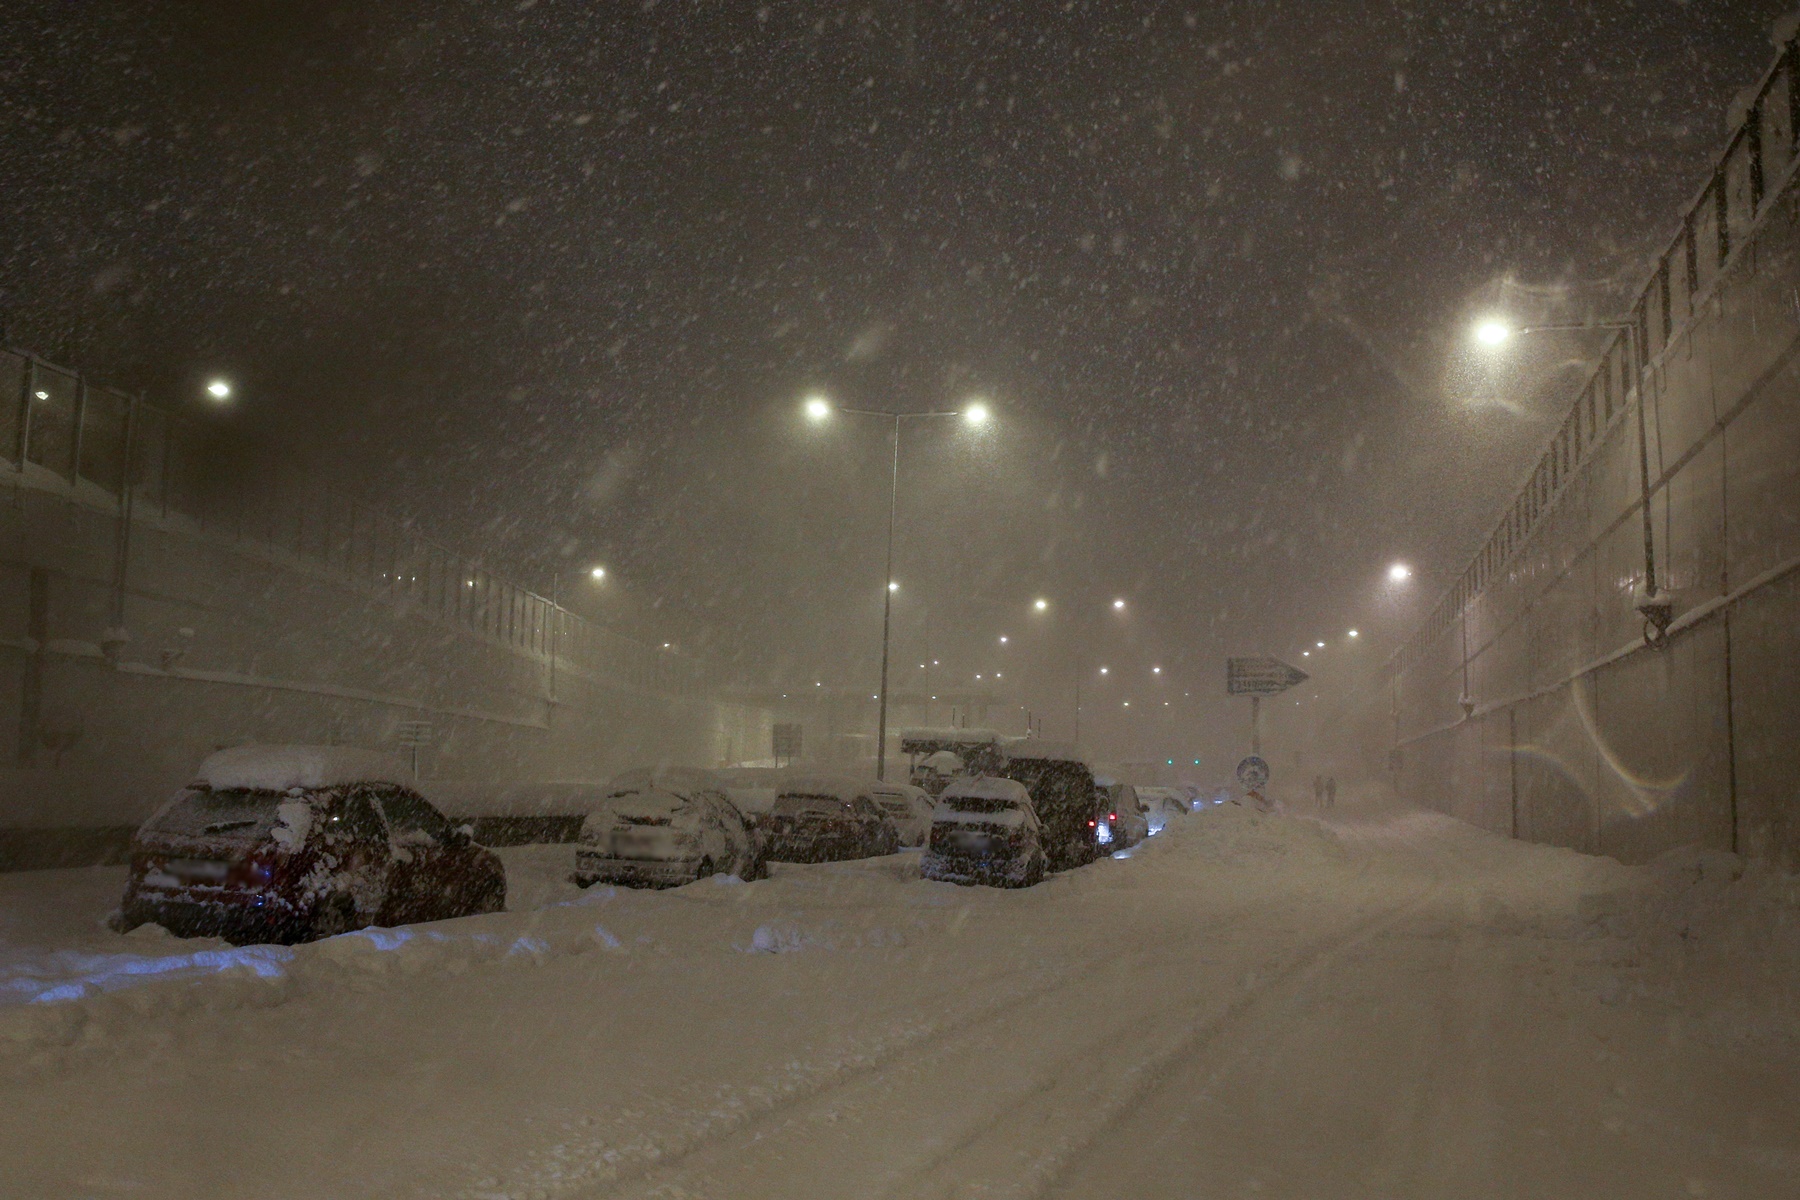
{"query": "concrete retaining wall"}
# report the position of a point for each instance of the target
(1531, 702)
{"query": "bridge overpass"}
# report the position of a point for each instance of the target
(1618, 668)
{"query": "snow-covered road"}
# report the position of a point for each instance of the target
(1395, 1006)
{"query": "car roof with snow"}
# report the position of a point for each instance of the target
(984, 787)
(1039, 750)
(914, 740)
(283, 768)
(838, 787)
(683, 781)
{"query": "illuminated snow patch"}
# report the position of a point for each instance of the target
(82, 974)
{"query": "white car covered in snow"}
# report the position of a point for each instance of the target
(909, 807)
(985, 830)
(664, 829)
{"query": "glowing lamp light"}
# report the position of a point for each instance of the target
(1492, 333)
(1353, 633)
(597, 573)
(893, 587)
(1118, 605)
(1040, 605)
(1321, 645)
(1399, 573)
(1103, 670)
(218, 389)
(976, 413)
(817, 408)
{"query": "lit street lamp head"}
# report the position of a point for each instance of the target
(598, 573)
(976, 413)
(218, 389)
(817, 408)
(1399, 573)
(1492, 333)
(892, 586)
(1118, 606)
(1040, 605)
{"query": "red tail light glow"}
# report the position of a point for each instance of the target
(1091, 824)
(1112, 816)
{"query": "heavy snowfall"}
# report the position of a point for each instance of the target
(1384, 1004)
(900, 599)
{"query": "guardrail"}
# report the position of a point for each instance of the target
(1715, 225)
(99, 445)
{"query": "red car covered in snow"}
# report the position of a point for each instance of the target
(292, 843)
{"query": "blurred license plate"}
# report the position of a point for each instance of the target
(636, 845)
(974, 843)
(196, 868)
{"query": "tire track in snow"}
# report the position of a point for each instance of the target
(787, 1105)
(1056, 1092)
(1085, 1108)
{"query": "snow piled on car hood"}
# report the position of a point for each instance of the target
(279, 768)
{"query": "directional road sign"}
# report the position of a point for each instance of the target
(1260, 676)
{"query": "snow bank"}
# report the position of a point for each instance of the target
(278, 768)
(1719, 935)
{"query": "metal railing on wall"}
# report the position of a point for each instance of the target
(1760, 152)
(61, 432)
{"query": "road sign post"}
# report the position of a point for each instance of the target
(1256, 677)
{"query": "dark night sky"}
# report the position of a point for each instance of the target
(554, 276)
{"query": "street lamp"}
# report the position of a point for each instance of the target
(1118, 606)
(1655, 609)
(1399, 573)
(817, 409)
(218, 389)
(1040, 605)
(598, 573)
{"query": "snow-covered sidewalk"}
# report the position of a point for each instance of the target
(1246, 1005)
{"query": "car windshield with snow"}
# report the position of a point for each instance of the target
(292, 843)
(645, 835)
(986, 830)
(824, 819)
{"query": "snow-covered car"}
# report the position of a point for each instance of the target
(908, 806)
(985, 830)
(292, 843)
(1164, 804)
(824, 818)
(664, 829)
(1121, 819)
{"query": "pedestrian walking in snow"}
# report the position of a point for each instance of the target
(1318, 791)
(1331, 791)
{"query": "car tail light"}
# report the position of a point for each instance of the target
(1112, 816)
(1091, 824)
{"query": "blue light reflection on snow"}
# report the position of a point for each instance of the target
(78, 975)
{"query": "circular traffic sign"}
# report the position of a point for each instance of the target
(1253, 772)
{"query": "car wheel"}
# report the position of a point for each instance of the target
(334, 915)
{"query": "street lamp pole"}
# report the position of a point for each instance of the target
(887, 589)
